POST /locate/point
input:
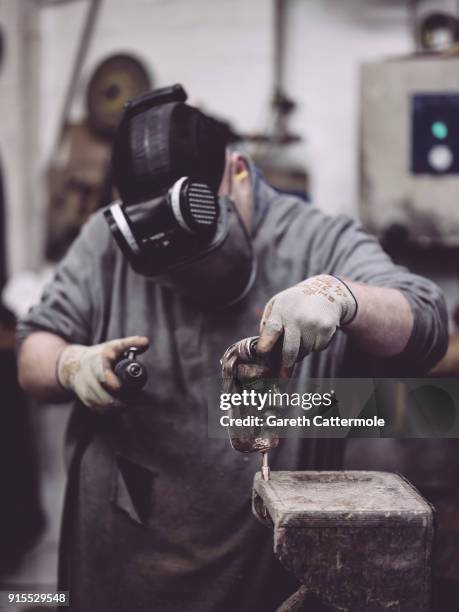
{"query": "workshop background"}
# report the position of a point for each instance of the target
(314, 88)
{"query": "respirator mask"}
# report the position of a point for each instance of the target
(168, 161)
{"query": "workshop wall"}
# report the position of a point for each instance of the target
(328, 41)
(223, 53)
(326, 44)
(220, 51)
(19, 73)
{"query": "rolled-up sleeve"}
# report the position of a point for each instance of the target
(348, 251)
(66, 306)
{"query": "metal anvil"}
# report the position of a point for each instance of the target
(356, 541)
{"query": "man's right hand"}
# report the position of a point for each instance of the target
(87, 371)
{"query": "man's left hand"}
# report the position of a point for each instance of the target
(307, 315)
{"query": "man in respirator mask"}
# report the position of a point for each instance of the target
(199, 252)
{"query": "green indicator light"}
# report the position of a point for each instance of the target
(439, 130)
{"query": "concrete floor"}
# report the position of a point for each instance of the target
(38, 569)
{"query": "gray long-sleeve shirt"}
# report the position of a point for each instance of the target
(158, 514)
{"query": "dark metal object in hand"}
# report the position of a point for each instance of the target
(131, 373)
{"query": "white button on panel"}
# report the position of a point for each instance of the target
(440, 158)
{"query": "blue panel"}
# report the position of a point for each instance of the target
(435, 133)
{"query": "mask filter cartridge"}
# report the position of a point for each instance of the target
(161, 233)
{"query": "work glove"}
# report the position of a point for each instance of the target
(307, 315)
(87, 371)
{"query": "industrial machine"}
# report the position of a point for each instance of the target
(410, 149)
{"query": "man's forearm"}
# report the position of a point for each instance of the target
(384, 320)
(37, 361)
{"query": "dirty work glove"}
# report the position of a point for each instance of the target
(87, 371)
(307, 315)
